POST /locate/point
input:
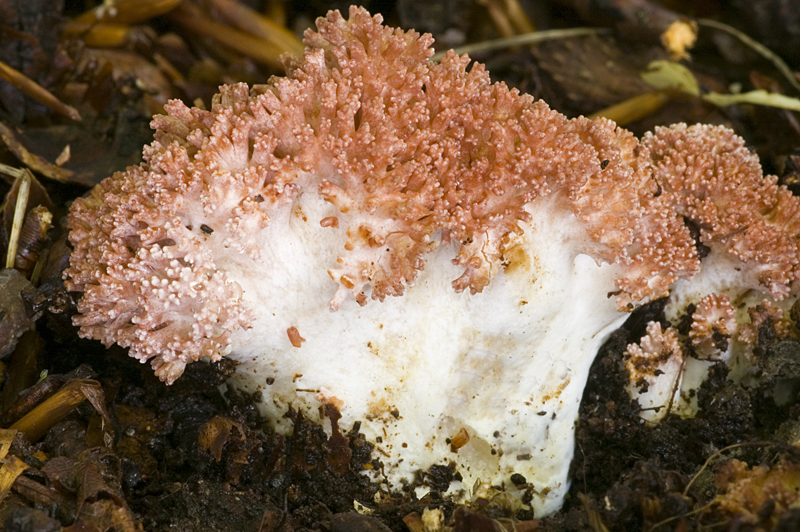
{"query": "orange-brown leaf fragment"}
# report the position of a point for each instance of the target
(294, 336)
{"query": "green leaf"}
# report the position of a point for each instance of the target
(664, 75)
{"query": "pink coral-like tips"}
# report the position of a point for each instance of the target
(714, 180)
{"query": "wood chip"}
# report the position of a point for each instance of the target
(33, 161)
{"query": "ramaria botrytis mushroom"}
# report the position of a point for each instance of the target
(433, 254)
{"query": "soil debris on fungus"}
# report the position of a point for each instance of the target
(91, 440)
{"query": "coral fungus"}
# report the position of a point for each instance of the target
(499, 241)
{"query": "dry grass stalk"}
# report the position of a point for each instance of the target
(37, 92)
(248, 45)
(258, 25)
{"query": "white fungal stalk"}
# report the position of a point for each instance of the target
(507, 366)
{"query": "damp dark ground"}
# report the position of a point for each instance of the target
(195, 456)
(124, 452)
